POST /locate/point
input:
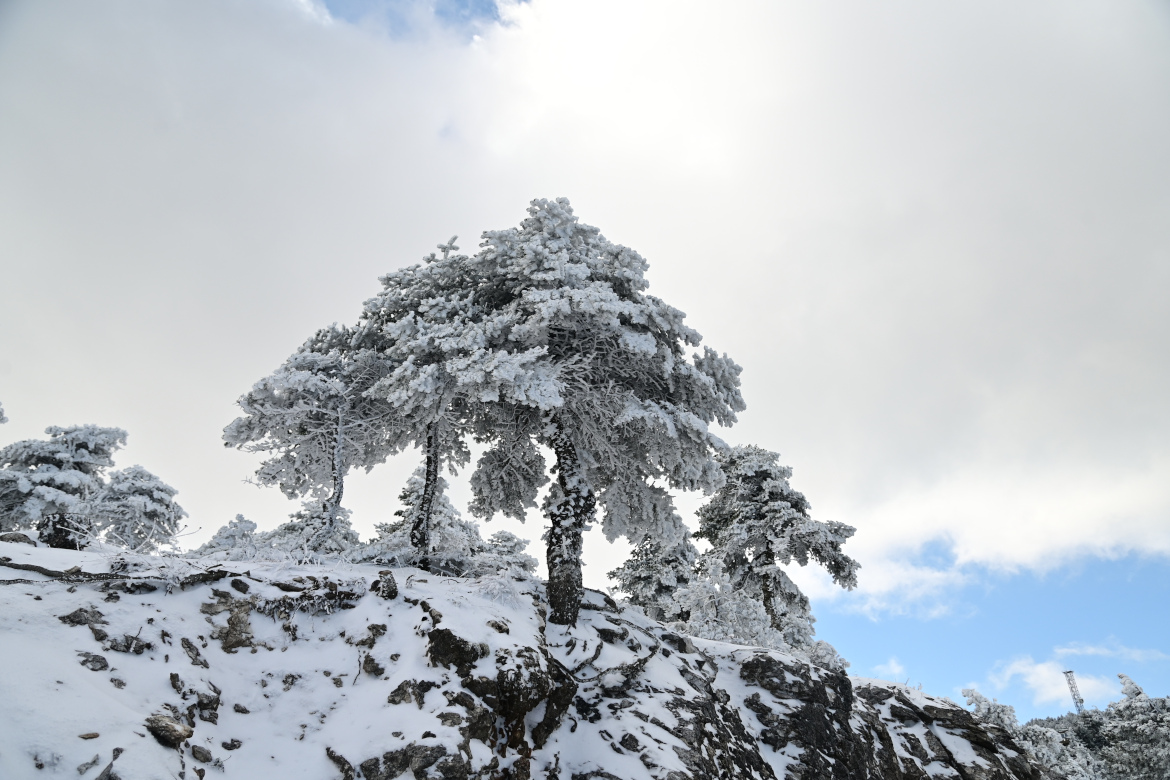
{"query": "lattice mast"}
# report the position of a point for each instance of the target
(1076, 694)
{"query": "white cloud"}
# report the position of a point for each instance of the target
(935, 241)
(1112, 649)
(1047, 683)
(891, 670)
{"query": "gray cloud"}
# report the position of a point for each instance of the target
(934, 235)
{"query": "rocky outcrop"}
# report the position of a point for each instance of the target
(360, 673)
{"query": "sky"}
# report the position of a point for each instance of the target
(936, 236)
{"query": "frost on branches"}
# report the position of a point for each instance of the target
(1128, 740)
(438, 331)
(634, 408)
(757, 524)
(49, 484)
(455, 546)
(58, 487)
(137, 510)
(236, 541)
(313, 419)
(737, 591)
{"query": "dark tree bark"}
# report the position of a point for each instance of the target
(420, 531)
(569, 515)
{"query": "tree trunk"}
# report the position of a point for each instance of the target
(338, 468)
(333, 503)
(569, 515)
(420, 531)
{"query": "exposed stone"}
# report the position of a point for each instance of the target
(201, 754)
(446, 649)
(231, 744)
(84, 616)
(15, 537)
(193, 653)
(415, 758)
(130, 644)
(385, 586)
(168, 731)
(94, 662)
(338, 760)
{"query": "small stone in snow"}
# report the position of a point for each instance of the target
(234, 744)
(89, 735)
(201, 754)
(240, 708)
(88, 765)
(95, 663)
(168, 731)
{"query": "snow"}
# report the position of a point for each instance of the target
(325, 676)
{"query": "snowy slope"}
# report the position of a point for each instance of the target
(294, 672)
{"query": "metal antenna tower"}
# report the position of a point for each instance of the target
(1076, 694)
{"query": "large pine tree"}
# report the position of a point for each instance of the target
(448, 378)
(635, 410)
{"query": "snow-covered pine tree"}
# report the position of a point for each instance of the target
(653, 573)
(437, 333)
(455, 545)
(137, 510)
(756, 524)
(49, 484)
(315, 419)
(235, 541)
(3, 419)
(635, 410)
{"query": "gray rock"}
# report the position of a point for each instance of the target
(94, 662)
(15, 537)
(168, 731)
(201, 754)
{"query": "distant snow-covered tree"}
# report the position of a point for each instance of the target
(136, 509)
(1136, 736)
(455, 545)
(634, 410)
(235, 541)
(3, 419)
(757, 524)
(653, 573)
(320, 529)
(1060, 753)
(49, 484)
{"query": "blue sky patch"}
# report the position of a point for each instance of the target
(1009, 634)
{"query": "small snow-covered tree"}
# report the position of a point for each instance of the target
(455, 545)
(3, 419)
(313, 417)
(137, 510)
(653, 573)
(634, 410)
(235, 541)
(49, 484)
(757, 524)
(318, 530)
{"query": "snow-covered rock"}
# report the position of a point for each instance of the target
(140, 667)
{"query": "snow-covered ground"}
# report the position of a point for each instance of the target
(291, 671)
